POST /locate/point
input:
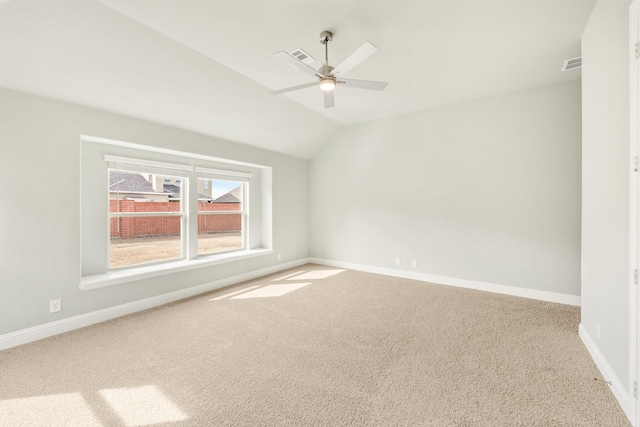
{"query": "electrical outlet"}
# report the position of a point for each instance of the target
(414, 263)
(55, 305)
(598, 330)
(398, 262)
(279, 257)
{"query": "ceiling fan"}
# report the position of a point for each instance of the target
(329, 77)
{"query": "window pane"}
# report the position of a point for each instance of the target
(141, 240)
(219, 231)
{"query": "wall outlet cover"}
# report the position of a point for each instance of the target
(55, 305)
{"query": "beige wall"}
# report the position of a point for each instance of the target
(486, 190)
(52, 147)
(605, 183)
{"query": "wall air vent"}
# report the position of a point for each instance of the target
(302, 56)
(572, 63)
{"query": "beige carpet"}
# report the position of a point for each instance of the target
(326, 347)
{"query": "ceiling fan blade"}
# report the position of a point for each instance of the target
(297, 63)
(363, 84)
(360, 54)
(329, 101)
(292, 88)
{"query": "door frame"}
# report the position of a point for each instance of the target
(634, 218)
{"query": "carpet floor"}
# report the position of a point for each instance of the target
(316, 346)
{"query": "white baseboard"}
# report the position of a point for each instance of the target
(461, 283)
(616, 386)
(46, 330)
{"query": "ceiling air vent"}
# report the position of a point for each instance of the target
(302, 56)
(572, 63)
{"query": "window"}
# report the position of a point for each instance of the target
(156, 230)
(145, 211)
(153, 231)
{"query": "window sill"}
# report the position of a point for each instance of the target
(138, 273)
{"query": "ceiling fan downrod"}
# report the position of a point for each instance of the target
(325, 38)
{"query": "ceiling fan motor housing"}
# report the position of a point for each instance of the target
(325, 70)
(326, 36)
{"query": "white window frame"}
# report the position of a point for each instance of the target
(95, 272)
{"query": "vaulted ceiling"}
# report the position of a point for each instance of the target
(208, 65)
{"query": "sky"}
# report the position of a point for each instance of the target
(223, 187)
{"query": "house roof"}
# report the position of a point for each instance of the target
(227, 198)
(131, 182)
(232, 196)
(173, 190)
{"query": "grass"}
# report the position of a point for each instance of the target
(143, 250)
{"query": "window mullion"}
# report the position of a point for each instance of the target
(191, 219)
(245, 216)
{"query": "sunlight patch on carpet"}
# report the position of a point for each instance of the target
(316, 274)
(271, 291)
(230, 294)
(287, 276)
(48, 410)
(142, 406)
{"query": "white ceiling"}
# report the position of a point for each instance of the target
(208, 65)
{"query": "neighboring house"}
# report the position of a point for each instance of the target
(173, 191)
(205, 186)
(140, 188)
(206, 189)
(133, 186)
(233, 196)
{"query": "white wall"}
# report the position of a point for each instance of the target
(40, 208)
(605, 182)
(486, 190)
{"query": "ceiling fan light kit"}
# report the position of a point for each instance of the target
(327, 84)
(328, 76)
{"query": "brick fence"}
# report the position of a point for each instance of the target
(129, 228)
